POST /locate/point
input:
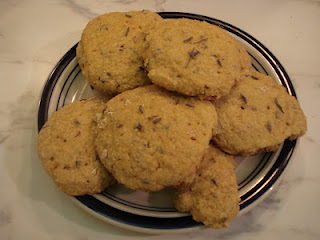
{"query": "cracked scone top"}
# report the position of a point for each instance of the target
(67, 152)
(257, 115)
(212, 198)
(194, 58)
(149, 138)
(109, 53)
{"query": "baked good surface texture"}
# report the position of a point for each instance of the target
(110, 50)
(194, 58)
(257, 115)
(67, 152)
(149, 138)
(213, 197)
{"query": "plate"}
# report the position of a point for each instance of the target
(155, 212)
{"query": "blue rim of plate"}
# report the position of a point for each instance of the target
(185, 222)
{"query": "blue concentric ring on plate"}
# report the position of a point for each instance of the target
(63, 76)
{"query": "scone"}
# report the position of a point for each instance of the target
(149, 138)
(67, 152)
(109, 53)
(213, 196)
(257, 115)
(194, 58)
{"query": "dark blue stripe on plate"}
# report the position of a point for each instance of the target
(264, 70)
(271, 177)
(136, 220)
(50, 85)
(136, 205)
(65, 97)
(256, 171)
(64, 85)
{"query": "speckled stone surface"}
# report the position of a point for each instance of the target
(35, 34)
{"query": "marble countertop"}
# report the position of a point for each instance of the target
(35, 34)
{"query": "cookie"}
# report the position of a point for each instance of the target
(67, 152)
(257, 115)
(109, 53)
(149, 138)
(194, 58)
(213, 197)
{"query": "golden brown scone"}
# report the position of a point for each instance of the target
(257, 115)
(109, 53)
(213, 197)
(150, 138)
(194, 58)
(67, 152)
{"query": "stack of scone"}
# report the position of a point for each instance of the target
(185, 103)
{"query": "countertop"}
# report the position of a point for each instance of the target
(35, 34)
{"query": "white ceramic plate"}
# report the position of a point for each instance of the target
(155, 212)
